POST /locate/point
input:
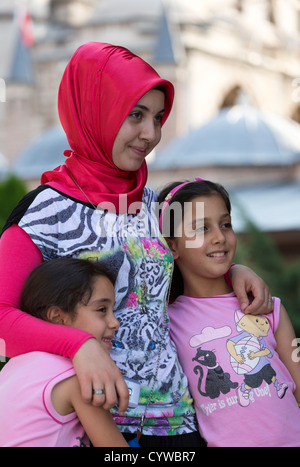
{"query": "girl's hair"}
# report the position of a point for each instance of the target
(187, 193)
(62, 282)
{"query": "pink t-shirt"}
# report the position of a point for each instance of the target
(27, 416)
(243, 401)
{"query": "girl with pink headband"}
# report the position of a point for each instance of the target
(242, 375)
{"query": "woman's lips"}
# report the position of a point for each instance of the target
(139, 151)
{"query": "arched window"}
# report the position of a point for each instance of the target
(296, 114)
(235, 96)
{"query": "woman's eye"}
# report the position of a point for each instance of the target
(136, 115)
(158, 118)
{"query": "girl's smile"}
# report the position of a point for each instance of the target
(218, 255)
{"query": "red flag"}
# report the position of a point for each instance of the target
(26, 28)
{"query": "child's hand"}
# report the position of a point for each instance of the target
(96, 370)
(252, 292)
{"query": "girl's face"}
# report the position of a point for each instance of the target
(97, 316)
(207, 245)
(140, 132)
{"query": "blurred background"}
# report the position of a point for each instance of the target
(235, 65)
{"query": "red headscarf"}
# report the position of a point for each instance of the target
(100, 86)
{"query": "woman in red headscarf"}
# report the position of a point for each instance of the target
(95, 206)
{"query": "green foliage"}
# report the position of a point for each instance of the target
(11, 191)
(259, 252)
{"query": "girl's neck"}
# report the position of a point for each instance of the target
(204, 287)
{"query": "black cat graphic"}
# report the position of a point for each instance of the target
(216, 380)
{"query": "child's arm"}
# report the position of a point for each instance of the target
(96, 421)
(285, 335)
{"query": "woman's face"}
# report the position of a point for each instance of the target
(140, 132)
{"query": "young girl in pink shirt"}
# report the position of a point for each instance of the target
(240, 368)
(40, 399)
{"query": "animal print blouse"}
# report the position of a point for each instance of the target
(132, 247)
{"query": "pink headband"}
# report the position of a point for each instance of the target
(170, 196)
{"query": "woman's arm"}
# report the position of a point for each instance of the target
(285, 335)
(23, 333)
(245, 284)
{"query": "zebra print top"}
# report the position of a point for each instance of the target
(132, 246)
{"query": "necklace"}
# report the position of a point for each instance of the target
(86, 196)
(143, 417)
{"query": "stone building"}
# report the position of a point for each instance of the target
(218, 53)
(212, 50)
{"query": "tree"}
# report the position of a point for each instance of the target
(258, 251)
(11, 191)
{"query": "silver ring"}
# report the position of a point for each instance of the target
(98, 392)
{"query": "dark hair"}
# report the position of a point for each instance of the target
(185, 194)
(62, 282)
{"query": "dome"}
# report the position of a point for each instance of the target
(44, 153)
(237, 136)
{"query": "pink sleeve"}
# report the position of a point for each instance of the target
(274, 317)
(23, 333)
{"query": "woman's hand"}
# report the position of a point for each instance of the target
(252, 292)
(97, 371)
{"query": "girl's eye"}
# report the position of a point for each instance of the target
(102, 309)
(227, 225)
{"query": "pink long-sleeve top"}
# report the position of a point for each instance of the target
(20, 332)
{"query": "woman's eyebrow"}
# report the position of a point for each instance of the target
(143, 107)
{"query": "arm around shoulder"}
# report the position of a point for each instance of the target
(23, 333)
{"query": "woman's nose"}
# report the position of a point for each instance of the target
(149, 131)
